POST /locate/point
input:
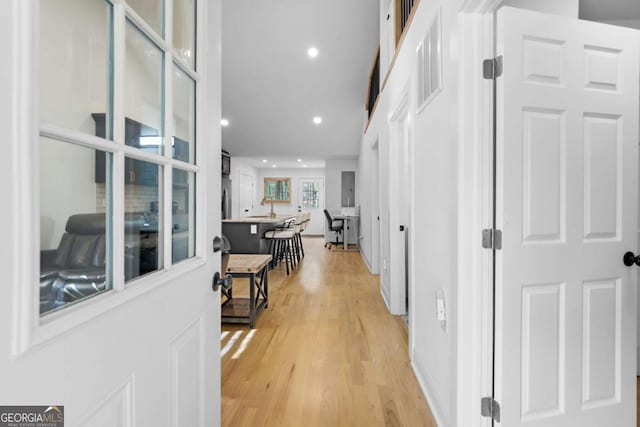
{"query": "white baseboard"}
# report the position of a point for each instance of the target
(431, 400)
(384, 298)
(638, 361)
(366, 262)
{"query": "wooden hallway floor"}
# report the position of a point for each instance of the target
(325, 353)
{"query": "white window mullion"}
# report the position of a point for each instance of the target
(145, 156)
(146, 29)
(60, 133)
(168, 133)
(117, 186)
(185, 166)
(184, 66)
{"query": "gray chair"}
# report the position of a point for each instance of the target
(335, 225)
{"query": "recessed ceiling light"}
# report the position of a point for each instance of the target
(312, 52)
(224, 122)
(264, 160)
(299, 160)
(317, 120)
(273, 166)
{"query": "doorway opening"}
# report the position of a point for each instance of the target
(375, 209)
(400, 213)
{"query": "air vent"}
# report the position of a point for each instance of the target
(430, 63)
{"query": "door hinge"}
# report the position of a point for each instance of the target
(492, 68)
(490, 408)
(491, 239)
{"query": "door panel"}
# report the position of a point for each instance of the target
(566, 200)
(143, 351)
(246, 195)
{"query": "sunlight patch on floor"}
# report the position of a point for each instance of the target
(243, 345)
(235, 337)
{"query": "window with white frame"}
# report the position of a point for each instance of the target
(117, 144)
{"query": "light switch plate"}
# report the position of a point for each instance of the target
(441, 312)
(254, 229)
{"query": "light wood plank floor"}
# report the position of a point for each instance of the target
(325, 353)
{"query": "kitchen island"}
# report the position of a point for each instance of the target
(246, 235)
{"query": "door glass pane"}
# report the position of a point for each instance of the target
(151, 11)
(144, 92)
(183, 209)
(184, 116)
(184, 29)
(143, 227)
(75, 215)
(310, 195)
(76, 63)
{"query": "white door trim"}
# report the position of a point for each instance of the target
(23, 126)
(400, 125)
(475, 204)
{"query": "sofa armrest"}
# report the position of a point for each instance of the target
(47, 258)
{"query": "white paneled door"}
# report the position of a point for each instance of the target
(246, 195)
(567, 193)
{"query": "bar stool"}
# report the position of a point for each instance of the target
(282, 246)
(297, 238)
(306, 218)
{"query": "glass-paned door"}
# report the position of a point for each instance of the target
(311, 199)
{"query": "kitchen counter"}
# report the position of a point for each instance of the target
(259, 219)
(246, 235)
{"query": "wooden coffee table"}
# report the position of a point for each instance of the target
(245, 310)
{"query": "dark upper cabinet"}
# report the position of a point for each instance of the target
(135, 171)
(226, 163)
(100, 169)
(180, 149)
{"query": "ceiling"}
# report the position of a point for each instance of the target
(285, 162)
(602, 10)
(271, 88)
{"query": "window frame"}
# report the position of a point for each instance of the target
(267, 180)
(30, 328)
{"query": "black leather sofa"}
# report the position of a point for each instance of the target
(76, 269)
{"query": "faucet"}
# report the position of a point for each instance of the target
(265, 199)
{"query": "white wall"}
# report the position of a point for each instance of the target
(434, 172)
